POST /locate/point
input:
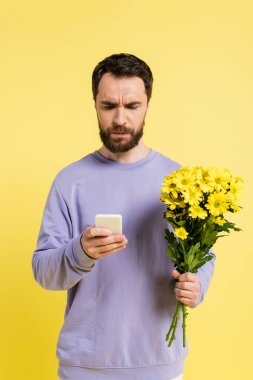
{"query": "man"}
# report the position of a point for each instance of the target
(121, 289)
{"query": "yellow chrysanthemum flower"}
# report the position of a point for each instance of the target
(198, 172)
(168, 201)
(184, 180)
(201, 175)
(197, 212)
(234, 207)
(181, 233)
(218, 179)
(218, 220)
(235, 188)
(181, 204)
(171, 202)
(193, 196)
(169, 214)
(217, 203)
(169, 187)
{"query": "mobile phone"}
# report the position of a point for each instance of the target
(111, 221)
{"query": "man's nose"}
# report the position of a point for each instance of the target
(119, 116)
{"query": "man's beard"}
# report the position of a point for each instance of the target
(117, 144)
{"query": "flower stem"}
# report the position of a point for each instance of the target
(172, 331)
(184, 324)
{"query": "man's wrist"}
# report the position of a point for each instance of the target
(84, 250)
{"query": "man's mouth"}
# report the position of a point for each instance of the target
(119, 133)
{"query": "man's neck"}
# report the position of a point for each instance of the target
(137, 153)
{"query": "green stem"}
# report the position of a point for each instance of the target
(184, 324)
(182, 245)
(173, 322)
(172, 331)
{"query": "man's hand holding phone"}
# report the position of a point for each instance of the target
(98, 242)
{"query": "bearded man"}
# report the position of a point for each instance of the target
(121, 288)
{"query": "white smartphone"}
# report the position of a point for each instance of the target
(111, 221)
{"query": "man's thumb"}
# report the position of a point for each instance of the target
(175, 274)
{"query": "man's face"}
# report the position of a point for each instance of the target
(121, 106)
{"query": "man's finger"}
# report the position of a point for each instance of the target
(188, 277)
(112, 248)
(189, 286)
(94, 231)
(108, 240)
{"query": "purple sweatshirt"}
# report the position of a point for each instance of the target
(119, 308)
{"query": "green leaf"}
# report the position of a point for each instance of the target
(191, 253)
(210, 238)
(173, 260)
(197, 259)
(198, 228)
(203, 261)
(171, 253)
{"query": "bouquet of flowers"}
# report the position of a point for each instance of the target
(196, 201)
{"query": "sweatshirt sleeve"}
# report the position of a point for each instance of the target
(205, 274)
(58, 261)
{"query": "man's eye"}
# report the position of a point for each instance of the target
(132, 107)
(111, 106)
(108, 107)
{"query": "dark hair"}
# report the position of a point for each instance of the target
(123, 65)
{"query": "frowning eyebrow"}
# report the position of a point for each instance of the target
(109, 103)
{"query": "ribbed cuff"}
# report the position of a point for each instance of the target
(81, 256)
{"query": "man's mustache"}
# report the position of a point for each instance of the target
(120, 128)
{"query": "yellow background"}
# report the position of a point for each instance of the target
(200, 53)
